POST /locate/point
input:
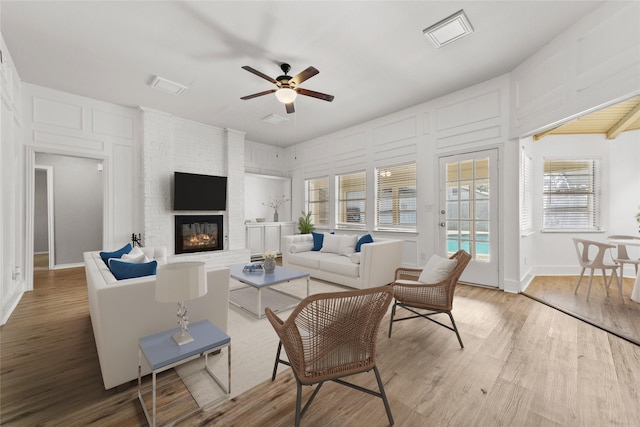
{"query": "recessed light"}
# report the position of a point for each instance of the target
(274, 119)
(167, 85)
(449, 29)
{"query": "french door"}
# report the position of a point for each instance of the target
(468, 212)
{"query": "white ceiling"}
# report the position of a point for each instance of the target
(372, 55)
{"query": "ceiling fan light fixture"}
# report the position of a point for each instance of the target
(286, 95)
(449, 29)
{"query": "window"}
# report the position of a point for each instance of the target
(317, 200)
(396, 197)
(351, 190)
(571, 196)
(526, 194)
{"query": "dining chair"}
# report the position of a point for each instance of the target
(591, 256)
(429, 291)
(329, 336)
(622, 256)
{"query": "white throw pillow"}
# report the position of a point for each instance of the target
(437, 269)
(330, 243)
(347, 245)
(135, 256)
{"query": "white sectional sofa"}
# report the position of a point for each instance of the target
(374, 265)
(122, 311)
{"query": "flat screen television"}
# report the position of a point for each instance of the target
(193, 192)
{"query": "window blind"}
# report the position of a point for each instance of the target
(317, 199)
(351, 195)
(571, 194)
(396, 200)
(526, 194)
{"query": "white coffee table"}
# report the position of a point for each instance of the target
(260, 289)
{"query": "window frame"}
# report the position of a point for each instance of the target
(344, 202)
(322, 204)
(589, 209)
(397, 186)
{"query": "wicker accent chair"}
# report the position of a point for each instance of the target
(425, 300)
(329, 336)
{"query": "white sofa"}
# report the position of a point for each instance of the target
(374, 265)
(122, 311)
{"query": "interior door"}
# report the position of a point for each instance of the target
(468, 212)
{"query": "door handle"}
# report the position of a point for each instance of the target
(443, 224)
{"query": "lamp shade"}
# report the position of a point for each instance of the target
(180, 281)
(286, 95)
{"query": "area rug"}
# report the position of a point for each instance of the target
(253, 348)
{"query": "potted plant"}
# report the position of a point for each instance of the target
(305, 226)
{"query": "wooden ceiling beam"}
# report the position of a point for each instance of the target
(624, 122)
(539, 136)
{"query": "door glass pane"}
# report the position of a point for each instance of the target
(468, 208)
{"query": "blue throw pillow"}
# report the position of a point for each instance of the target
(362, 240)
(115, 254)
(318, 238)
(129, 270)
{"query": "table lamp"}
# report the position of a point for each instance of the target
(180, 282)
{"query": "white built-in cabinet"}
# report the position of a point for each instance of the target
(266, 236)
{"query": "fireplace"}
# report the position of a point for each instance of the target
(199, 233)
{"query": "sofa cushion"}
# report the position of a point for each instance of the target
(129, 270)
(347, 244)
(309, 259)
(115, 254)
(362, 240)
(331, 243)
(437, 269)
(339, 265)
(355, 257)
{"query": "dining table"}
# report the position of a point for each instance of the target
(635, 292)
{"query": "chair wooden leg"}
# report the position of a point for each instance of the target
(589, 288)
(605, 281)
(275, 365)
(579, 280)
(383, 395)
(455, 328)
(393, 313)
(298, 402)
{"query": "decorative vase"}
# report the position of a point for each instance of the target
(269, 265)
(275, 216)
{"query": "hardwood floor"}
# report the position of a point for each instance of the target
(620, 316)
(524, 364)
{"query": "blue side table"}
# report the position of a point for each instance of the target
(162, 353)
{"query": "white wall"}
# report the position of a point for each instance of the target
(260, 190)
(12, 230)
(473, 118)
(77, 204)
(553, 253)
(172, 144)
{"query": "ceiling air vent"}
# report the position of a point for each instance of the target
(165, 85)
(449, 29)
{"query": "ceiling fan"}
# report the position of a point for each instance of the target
(288, 86)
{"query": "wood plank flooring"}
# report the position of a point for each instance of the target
(524, 364)
(621, 316)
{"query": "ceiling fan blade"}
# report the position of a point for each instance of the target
(290, 108)
(314, 94)
(306, 74)
(255, 95)
(259, 74)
